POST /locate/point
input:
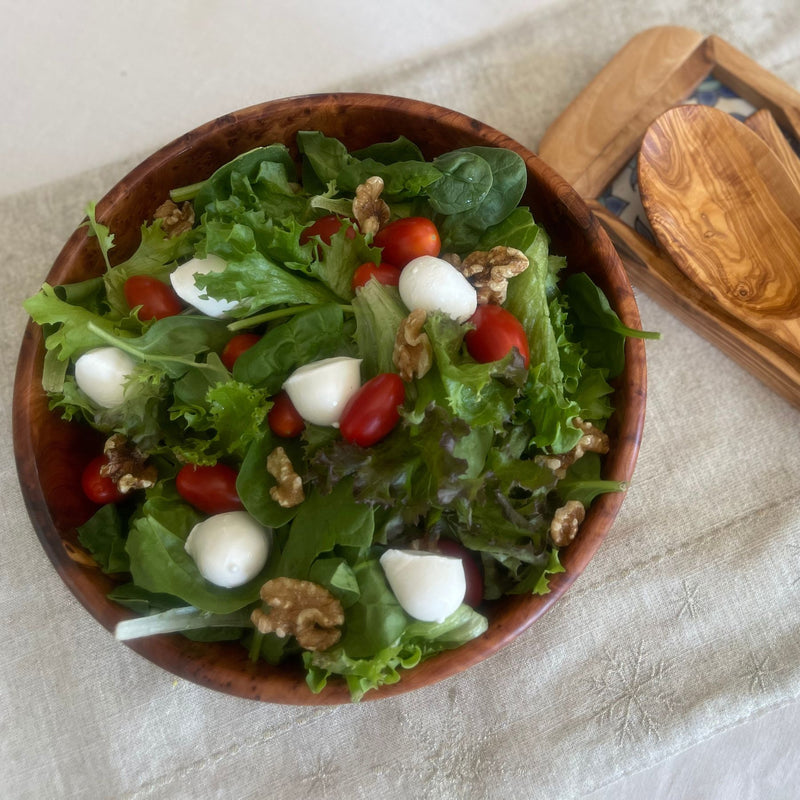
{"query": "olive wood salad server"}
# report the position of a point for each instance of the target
(728, 213)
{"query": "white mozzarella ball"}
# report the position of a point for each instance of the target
(320, 390)
(101, 374)
(229, 549)
(428, 586)
(432, 284)
(182, 280)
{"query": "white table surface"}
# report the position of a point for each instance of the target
(92, 82)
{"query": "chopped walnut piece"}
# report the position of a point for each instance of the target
(413, 353)
(127, 465)
(289, 491)
(592, 441)
(302, 609)
(79, 555)
(370, 211)
(566, 521)
(489, 271)
(175, 219)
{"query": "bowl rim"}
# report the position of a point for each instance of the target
(177, 654)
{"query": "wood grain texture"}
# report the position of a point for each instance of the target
(656, 274)
(755, 84)
(600, 131)
(50, 453)
(726, 211)
(764, 125)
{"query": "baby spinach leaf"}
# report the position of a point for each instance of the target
(465, 182)
(460, 232)
(254, 482)
(376, 620)
(323, 522)
(306, 337)
(401, 149)
(103, 535)
(159, 563)
(223, 183)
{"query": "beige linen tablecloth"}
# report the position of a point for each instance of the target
(686, 623)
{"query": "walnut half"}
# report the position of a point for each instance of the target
(370, 211)
(489, 271)
(592, 441)
(127, 465)
(302, 609)
(566, 521)
(413, 353)
(289, 490)
(175, 219)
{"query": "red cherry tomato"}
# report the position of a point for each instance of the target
(98, 488)
(372, 412)
(496, 332)
(408, 238)
(209, 489)
(283, 417)
(384, 273)
(157, 300)
(325, 227)
(236, 346)
(472, 570)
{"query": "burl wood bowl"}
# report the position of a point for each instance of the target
(51, 453)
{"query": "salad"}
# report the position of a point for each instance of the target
(348, 400)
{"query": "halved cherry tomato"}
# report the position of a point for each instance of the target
(325, 227)
(209, 489)
(236, 346)
(98, 488)
(157, 300)
(472, 570)
(373, 411)
(408, 238)
(283, 418)
(496, 332)
(384, 273)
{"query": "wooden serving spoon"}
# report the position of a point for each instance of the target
(727, 212)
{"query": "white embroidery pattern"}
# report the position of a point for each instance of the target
(689, 604)
(633, 693)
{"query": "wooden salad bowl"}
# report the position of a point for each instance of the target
(51, 453)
